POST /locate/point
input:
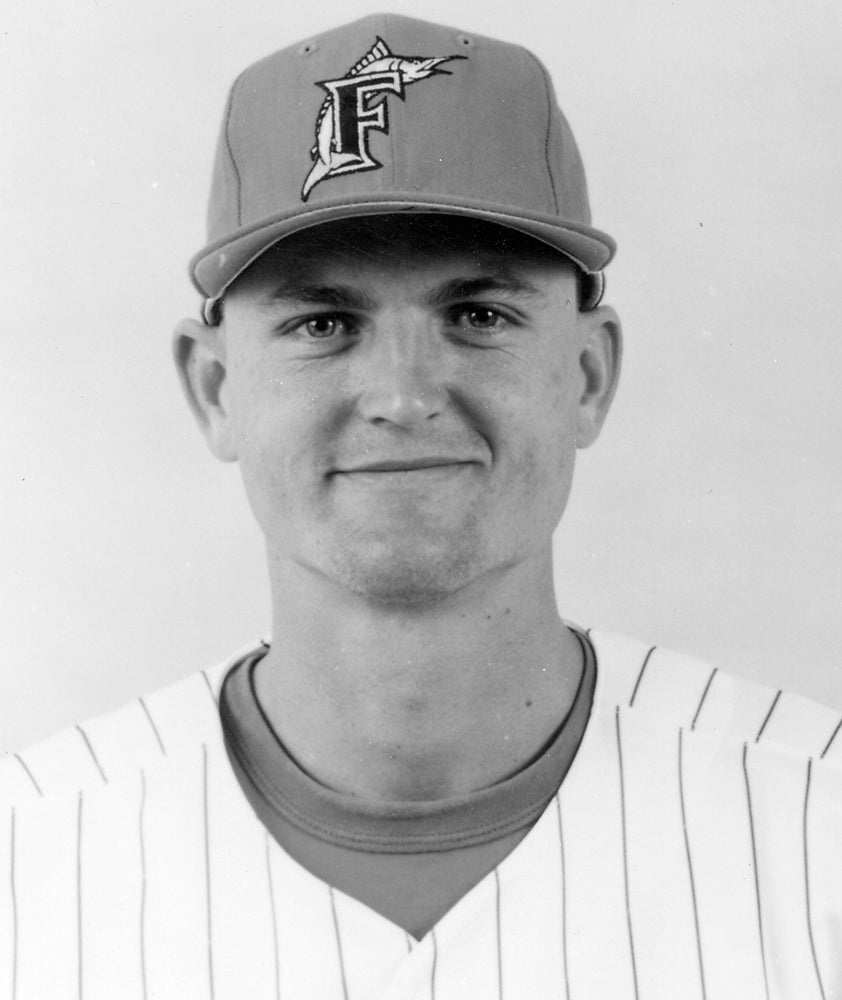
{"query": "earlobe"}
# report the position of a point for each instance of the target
(599, 360)
(200, 361)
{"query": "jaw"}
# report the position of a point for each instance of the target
(420, 565)
(396, 544)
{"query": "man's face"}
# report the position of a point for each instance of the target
(405, 417)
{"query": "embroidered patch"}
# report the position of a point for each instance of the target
(356, 103)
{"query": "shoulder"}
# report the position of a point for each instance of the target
(672, 690)
(104, 750)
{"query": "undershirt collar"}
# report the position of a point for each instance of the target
(281, 792)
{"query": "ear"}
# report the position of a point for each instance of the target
(199, 352)
(599, 360)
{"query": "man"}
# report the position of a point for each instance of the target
(427, 784)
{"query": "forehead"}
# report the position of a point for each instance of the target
(401, 243)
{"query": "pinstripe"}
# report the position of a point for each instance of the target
(434, 968)
(154, 727)
(338, 941)
(768, 716)
(142, 885)
(690, 858)
(79, 943)
(625, 840)
(84, 736)
(211, 990)
(640, 675)
(833, 736)
(14, 899)
(29, 773)
(704, 695)
(274, 918)
(209, 687)
(754, 866)
(499, 935)
(807, 882)
(563, 898)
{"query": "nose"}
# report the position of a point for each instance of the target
(402, 372)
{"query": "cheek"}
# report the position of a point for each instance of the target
(262, 455)
(277, 432)
(543, 406)
(542, 448)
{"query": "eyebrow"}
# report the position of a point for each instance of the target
(347, 297)
(470, 288)
(336, 296)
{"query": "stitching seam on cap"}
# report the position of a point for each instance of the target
(391, 131)
(549, 126)
(231, 151)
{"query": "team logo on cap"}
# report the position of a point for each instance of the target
(356, 103)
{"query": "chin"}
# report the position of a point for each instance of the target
(406, 579)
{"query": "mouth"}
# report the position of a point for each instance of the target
(406, 465)
(427, 472)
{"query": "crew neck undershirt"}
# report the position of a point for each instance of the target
(409, 861)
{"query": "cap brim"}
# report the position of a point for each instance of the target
(215, 267)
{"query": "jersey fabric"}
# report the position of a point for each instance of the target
(693, 850)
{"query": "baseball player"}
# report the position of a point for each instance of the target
(427, 785)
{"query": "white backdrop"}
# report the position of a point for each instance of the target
(707, 518)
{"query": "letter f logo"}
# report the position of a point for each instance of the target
(352, 109)
(353, 114)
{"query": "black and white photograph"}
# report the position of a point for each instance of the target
(421, 489)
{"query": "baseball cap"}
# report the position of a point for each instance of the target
(386, 115)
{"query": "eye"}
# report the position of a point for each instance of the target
(480, 324)
(478, 317)
(326, 326)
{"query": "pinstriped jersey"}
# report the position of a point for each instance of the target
(694, 850)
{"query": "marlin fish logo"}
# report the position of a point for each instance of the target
(351, 109)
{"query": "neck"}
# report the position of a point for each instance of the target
(415, 703)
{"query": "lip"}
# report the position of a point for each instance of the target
(429, 462)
